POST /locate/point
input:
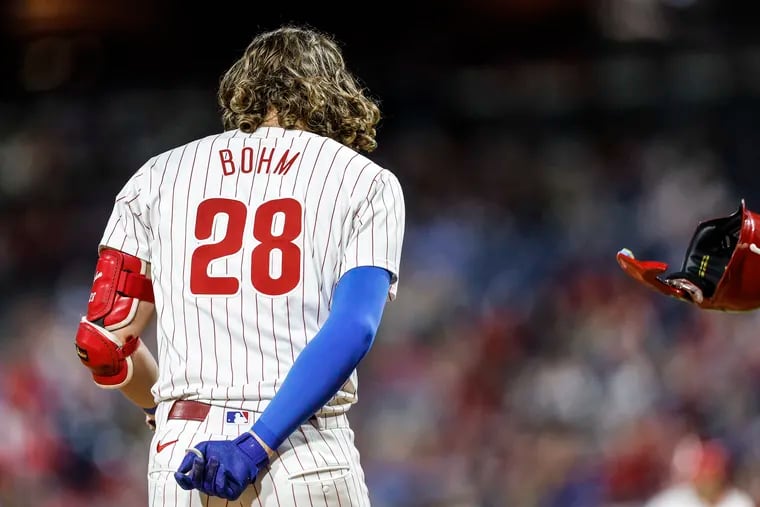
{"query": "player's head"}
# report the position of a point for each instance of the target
(300, 73)
(706, 464)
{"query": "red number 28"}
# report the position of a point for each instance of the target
(265, 279)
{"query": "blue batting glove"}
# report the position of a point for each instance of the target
(194, 463)
(222, 468)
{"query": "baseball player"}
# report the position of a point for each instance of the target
(704, 478)
(267, 254)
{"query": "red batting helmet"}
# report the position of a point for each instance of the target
(722, 262)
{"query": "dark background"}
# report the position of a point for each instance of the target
(533, 140)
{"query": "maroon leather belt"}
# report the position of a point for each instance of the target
(189, 410)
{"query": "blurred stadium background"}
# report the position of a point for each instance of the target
(534, 138)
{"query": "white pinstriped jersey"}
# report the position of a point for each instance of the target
(247, 236)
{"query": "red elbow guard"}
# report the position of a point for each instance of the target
(103, 353)
(120, 284)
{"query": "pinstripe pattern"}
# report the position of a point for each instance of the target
(318, 466)
(238, 348)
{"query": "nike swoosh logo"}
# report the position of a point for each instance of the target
(98, 275)
(754, 249)
(160, 447)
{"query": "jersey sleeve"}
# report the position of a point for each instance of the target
(377, 231)
(128, 228)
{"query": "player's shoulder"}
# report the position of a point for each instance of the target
(175, 153)
(365, 167)
(738, 498)
(165, 161)
(679, 494)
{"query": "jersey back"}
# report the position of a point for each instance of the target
(247, 236)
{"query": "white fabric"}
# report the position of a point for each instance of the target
(318, 465)
(685, 496)
(239, 344)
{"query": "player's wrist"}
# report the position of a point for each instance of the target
(250, 445)
(270, 452)
(267, 437)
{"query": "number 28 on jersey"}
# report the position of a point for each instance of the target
(272, 254)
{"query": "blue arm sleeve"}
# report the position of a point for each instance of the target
(328, 359)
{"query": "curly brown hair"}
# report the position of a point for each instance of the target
(299, 73)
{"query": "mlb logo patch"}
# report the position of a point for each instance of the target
(238, 417)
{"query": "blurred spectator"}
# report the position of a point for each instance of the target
(701, 478)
